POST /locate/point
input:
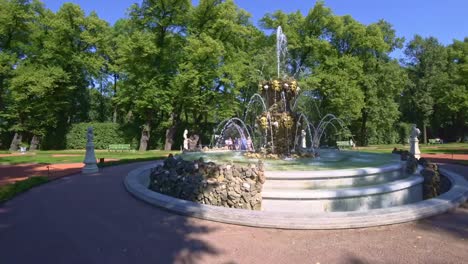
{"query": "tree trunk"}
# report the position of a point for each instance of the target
(145, 136)
(34, 143)
(461, 126)
(424, 133)
(114, 114)
(170, 132)
(363, 138)
(15, 142)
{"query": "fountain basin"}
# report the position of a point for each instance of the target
(400, 192)
(136, 182)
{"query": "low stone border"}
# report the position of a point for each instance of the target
(137, 181)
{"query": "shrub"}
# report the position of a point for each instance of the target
(404, 131)
(105, 134)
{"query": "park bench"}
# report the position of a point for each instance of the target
(435, 141)
(118, 147)
(344, 144)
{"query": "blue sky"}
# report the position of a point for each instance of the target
(445, 20)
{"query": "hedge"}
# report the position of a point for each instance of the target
(105, 134)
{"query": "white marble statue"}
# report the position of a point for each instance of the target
(185, 139)
(90, 157)
(414, 142)
(303, 139)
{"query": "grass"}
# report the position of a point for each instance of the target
(10, 190)
(77, 156)
(449, 148)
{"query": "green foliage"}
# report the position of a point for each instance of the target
(105, 134)
(170, 65)
(10, 190)
(348, 68)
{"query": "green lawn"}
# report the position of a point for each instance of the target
(72, 156)
(10, 190)
(449, 148)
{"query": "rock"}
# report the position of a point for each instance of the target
(432, 182)
(236, 173)
(261, 177)
(211, 181)
(170, 162)
(404, 155)
(220, 178)
(411, 164)
(208, 183)
(233, 195)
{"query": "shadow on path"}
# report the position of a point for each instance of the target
(92, 219)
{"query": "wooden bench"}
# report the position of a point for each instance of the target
(117, 147)
(434, 141)
(344, 144)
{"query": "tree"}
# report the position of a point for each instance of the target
(17, 20)
(345, 63)
(150, 50)
(56, 65)
(426, 65)
(216, 65)
(451, 102)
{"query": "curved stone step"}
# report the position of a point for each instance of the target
(385, 195)
(339, 193)
(329, 183)
(332, 174)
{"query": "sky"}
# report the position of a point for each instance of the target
(445, 20)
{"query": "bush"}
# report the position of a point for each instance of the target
(10, 190)
(105, 134)
(404, 131)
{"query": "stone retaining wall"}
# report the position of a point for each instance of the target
(228, 185)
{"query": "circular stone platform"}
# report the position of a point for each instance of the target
(137, 182)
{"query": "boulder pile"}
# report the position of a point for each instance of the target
(229, 185)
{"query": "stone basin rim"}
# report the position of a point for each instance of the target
(331, 174)
(136, 183)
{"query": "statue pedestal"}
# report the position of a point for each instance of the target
(414, 148)
(90, 160)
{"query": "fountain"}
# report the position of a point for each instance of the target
(306, 187)
(300, 176)
(279, 123)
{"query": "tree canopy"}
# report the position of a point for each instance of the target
(170, 66)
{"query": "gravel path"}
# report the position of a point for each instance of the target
(92, 219)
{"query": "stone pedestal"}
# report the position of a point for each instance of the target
(414, 148)
(90, 157)
(414, 142)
